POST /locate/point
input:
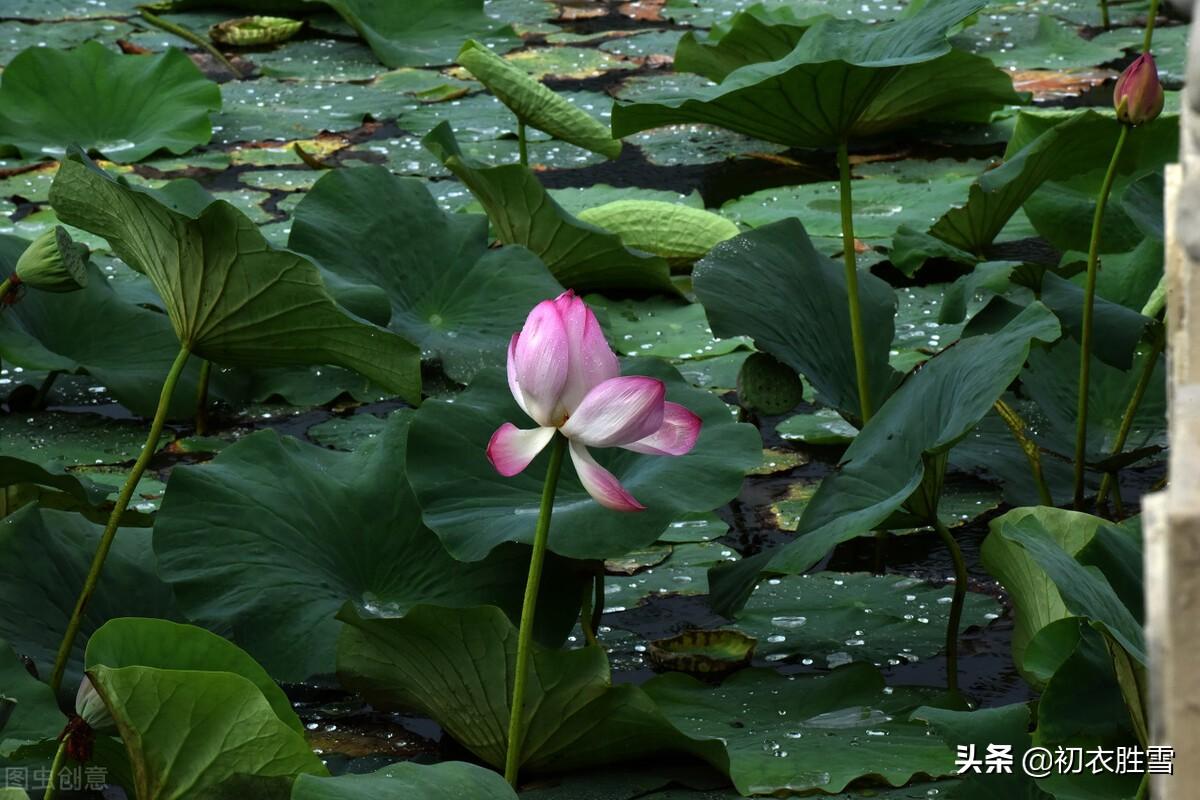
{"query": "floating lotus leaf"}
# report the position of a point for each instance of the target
(449, 780)
(252, 31)
(705, 654)
(50, 100)
(536, 105)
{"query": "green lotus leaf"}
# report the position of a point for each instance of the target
(833, 618)
(1062, 208)
(230, 296)
(251, 31)
(1123, 327)
(844, 79)
(681, 234)
(454, 666)
(661, 327)
(449, 780)
(582, 256)
(202, 735)
(782, 735)
(458, 300)
(344, 526)
(536, 105)
(804, 321)
(51, 99)
(704, 653)
(881, 469)
(45, 557)
(1041, 548)
(760, 33)
(162, 644)
(34, 715)
(1006, 725)
(474, 509)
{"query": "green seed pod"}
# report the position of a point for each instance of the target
(54, 263)
(768, 386)
(252, 31)
(681, 234)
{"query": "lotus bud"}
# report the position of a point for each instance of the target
(54, 263)
(1138, 96)
(90, 707)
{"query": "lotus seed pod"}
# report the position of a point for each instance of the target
(768, 386)
(252, 31)
(91, 708)
(680, 234)
(1138, 95)
(54, 263)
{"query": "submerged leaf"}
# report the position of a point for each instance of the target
(51, 99)
(231, 297)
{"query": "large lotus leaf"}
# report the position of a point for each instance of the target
(450, 294)
(661, 327)
(1006, 725)
(449, 780)
(1062, 208)
(782, 735)
(162, 644)
(844, 79)
(202, 735)
(1123, 328)
(124, 107)
(676, 231)
(35, 716)
(833, 618)
(1034, 595)
(474, 509)
(1058, 152)
(536, 105)
(456, 666)
(304, 530)
(760, 33)
(45, 557)
(881, 469)
(418, 33)
(581, 256)
(1052, 381)
(1083, 589)
(804, 320)
(231, 297)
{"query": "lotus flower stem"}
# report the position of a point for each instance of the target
(522, 144)
(114, 519)
(1028, 446)
(202, 398)
(1104, 20)
(187, 35)
(39, 400)
(1151, 18)
(586, 608)
(60, 755)
(956, 605)
(1139, 392)
(516, 720)
(6, 286)
(1089, 298)
(848, 255)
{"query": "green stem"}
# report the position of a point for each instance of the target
(39, 400)
(187, 35)
(60, 756)
(1089, 297)
(114, 519)
(585, 613)
(848, 256)
(522, 144)
(6, 286)
(202, 398)
(598, 600)
(1017, 425)
(956, 606)
(516, 720)
(1139, 391)
(1151, 18)
(1104, 20)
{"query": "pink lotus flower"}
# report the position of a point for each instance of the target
(566, 378)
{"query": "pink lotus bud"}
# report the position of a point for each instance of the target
(1138, 95)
